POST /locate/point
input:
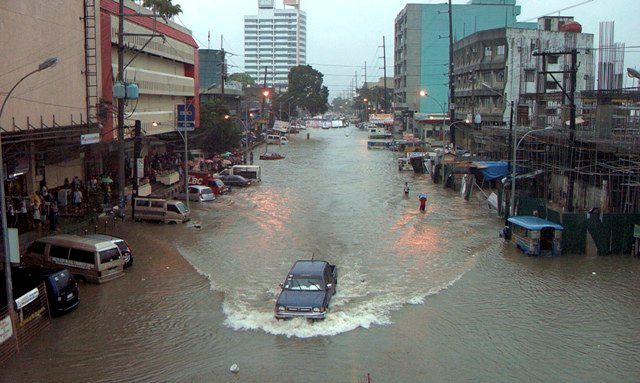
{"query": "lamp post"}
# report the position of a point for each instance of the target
(48, 63)
(185, 138)
(513, 166)
(424, 93)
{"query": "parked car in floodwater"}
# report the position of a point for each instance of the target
(62, 289)
(307, 290)
(125, 250)
(232, 180)
(198, 193)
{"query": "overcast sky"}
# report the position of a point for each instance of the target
(343, 34)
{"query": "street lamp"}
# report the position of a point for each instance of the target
(513, 166)
(48, 63)
(423, 93)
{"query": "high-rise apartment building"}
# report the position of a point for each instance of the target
(421, 51)
(275, 39)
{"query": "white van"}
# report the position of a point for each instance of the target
(273, 139)
(157, 209)
(250, 172)
(88, 259)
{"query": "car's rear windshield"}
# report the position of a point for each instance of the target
(303, 284)
(109, 255)
(61, 279)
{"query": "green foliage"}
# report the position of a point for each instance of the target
(341, 105)
(163, 7)
(306, 90)
(244, 78)
(216, 134)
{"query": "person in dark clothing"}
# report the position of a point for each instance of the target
(53, 216)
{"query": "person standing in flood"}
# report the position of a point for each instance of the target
(423, 201)
(406, 189)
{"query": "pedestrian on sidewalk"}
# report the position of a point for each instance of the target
(11, 215)
(77, 199)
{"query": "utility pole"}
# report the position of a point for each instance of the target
(223, 68)
(121, 101)
(384, 66)
(570, 94)
(356, 81)
(365, 75)
(137, 153)
(452, 106)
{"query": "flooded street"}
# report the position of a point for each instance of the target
(433, 296)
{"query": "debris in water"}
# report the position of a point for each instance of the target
(593, 273)
(234, 368)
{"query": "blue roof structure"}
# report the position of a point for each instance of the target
(492, 170)
(534, 223)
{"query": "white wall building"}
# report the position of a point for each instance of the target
(275, 39)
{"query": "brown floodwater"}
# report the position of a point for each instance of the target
(432, 296)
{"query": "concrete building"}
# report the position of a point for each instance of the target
(211, 65)
(165, 69)
(49, 111)
(275, 40)
(503, 60)
(421, 47)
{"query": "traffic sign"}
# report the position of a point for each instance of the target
(186, 117)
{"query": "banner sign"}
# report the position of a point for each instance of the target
(186, 117)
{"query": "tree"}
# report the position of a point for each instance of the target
(163, 7)
(216, 134)
(341, 105)
(244, 78)
(306, 90)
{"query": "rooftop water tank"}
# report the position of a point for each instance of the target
(571, 27)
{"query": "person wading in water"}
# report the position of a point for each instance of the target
(423, 201)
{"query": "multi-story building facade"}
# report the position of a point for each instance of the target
(421, 47)
(275, 40)
(47, 113)
(60, 122)
(493, 68)
(164, 67)
(211, 65)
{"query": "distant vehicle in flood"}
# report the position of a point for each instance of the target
(232, 180)
(307, 290)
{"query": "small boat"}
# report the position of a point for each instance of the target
(269, 156)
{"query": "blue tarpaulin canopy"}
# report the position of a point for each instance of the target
(534, 223)
(492, 170)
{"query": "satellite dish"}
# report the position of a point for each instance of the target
(633, 73)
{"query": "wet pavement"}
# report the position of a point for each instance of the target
(432, 296)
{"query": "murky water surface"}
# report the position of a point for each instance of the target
(433, 296)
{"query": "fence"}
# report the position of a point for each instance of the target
(32, 316)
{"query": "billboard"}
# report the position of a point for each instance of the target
(294, 3)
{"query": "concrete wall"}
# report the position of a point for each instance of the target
(30, 32)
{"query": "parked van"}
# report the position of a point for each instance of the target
(88, 259)
(156, 209)
(273, 139)
(62, 289)
(251, 172)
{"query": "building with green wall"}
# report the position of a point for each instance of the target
(421, 47)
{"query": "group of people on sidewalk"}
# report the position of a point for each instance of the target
(34, 211)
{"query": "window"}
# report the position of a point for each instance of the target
(529, 75)
(58, 252)
(37, 248)
(552, 59)
(500, 50)
(109, 255)
(487, 51)
(157, 204)
(173, 208)
(551, 85)
(82, 256)
(142, 203)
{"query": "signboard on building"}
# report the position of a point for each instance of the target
(292, 3)
(140, 167)
(88, 139)
(186, 117)
(6, 329)
(381, 119)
